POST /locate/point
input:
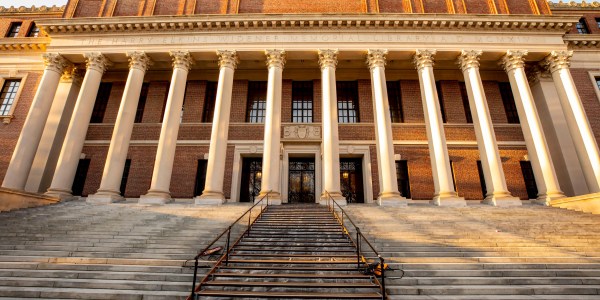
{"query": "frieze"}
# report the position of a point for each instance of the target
(301, 132)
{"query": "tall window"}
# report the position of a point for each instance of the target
(438, 86)
(14, 29)
(395, 101)
(598, 82)
(529, 179)
(347, 100)
(125, 176)
(465, 101)
(582, 27)
(598, 22)
(101, 102)
(80, 176)
(210, 97)
(34, 31)
(8, 94)
(139, 114)
(302, 101)
(481, 179)
(257, 102)
(402, 177)
(200, 177)
(509, 103)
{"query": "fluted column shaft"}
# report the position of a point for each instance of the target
(119, 144)
(445, 193)
(584, 140)
(331, 150)
(68, 159)
(495, 181)
(388, 183)
(165, 154)
(537, 147)
(24, 153)
(270, 182)
(217, 153)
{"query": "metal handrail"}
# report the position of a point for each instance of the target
(360, 237)
(228, 247)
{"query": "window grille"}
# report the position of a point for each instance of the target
(34, 31)
(508, 100)
(395, 101)
(14, 29)
(582, 27)
(8, 95)
(347, 100)
(465, 101)
(257, 102)
(302, 101)
(210, 97)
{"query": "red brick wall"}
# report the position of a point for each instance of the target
(453, 104)
(238, 101)
(435, 6)
(286, 101)
(114, 101)
(87, 8)
(365, 101)
(518, 7)
(127, 7)
(374, 171)
(193, 106)
(392, 6)
(166, 7)
(477, 7)
(210, 6)
(157, 91)
(589, 98)
(411, 101)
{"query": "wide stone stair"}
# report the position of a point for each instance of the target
(292, 251)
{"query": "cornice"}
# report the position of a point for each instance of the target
(24, 44)
(32, 10)
(583, 40)
(195, 23)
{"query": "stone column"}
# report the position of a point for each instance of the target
(55, 130)
(24, 153)
(495, 182)
(119, 144)
(579, 126)
(165, 154)
(445, 193)
(73, 144)
(539, 155)
(217, 153)
(271, 161)
(388, 183)
(331, 150)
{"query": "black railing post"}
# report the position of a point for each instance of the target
(383, 292)
(195, 277)
(357, 248)
(342, 223)
(249, 217)
(227, 249)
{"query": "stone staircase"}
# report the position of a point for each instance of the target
(76, 250)
(292, 251)
(483, 252)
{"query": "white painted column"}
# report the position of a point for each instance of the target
(495, 181)
(69, 155)
(579, 126)
(165, 154)
(46, 157)
(543, 168)
(388, 183)
(217, 153)
(271, 177)
(331, 148)
(119, 145)
(445, 193)
(24, 153)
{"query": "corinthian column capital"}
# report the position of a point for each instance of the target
(469, 59)
(72, 74)
(97, 61)
(55, 62)
(424, 58)
(275, 58)
(376, 58)
(328, 58)
(513, 59)
(557, 60)
(139, 60)
(182, 60)
(228, 59)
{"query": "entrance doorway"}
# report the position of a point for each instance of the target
(352, 180)
(301, 183)
(251, 178)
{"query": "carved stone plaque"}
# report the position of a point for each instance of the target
(302, 132)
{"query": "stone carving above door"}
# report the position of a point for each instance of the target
(302, 132)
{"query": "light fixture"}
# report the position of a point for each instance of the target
(258, 174)
(345, 175)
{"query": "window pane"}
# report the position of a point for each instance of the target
(395, 101)
(257, 93)
(465, 100)
(210, 99)
(582, 27)
(508, 100)
(14, 30)
(302, 101)
(8, 94)
(34, 31)
(347, 97)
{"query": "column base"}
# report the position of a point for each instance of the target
(391, 200)
(156, 198)
(545, 199)
(60, 194)
(450, 199)
(503, 199)
(104, 197)
(274, 198)
(337, 196)
(210, 198)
